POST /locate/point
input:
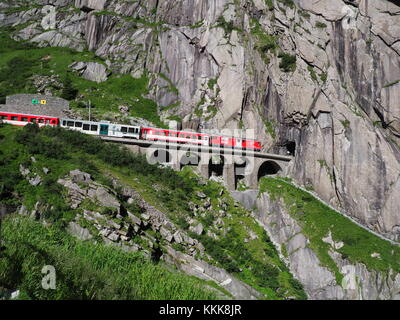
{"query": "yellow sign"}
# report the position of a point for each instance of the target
(37, 101)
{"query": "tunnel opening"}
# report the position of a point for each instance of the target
(291, 148)
(268, 168)
(216, 166)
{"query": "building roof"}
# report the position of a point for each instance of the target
(33, 109)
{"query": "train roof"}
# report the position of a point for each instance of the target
(28, 114)
(202, 133)
(99, 122)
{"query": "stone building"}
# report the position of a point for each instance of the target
(36, 104)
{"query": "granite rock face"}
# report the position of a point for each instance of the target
(212, 63)
(319, 281)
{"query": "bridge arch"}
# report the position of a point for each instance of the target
(268, 168)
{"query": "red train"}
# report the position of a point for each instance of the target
(104, 128)
(199, 138)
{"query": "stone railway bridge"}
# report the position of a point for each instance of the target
(231, 164)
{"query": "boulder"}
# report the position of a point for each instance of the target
(77, 231)
(95, 72)
(198, 229)
(35, 181)
(79, 176)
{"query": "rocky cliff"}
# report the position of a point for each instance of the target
(319, 79)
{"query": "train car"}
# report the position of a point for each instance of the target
(251, 144)
(223, 141)
(102, 128)
(19, 119)
(175, 136)
(236, 143)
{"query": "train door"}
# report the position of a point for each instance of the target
(206, 140)
(104, 129)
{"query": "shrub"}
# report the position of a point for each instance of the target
(68, 92)
(288, 62)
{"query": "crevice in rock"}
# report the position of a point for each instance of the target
(86, 9)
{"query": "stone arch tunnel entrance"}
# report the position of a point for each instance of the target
(268, 168)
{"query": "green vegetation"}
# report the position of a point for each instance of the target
(228, 26)
(304, 14)
(84, 270)
(288, 3)
(320, 25)
(270, 128)
(391, 84)
(265, 43)
(23, 60)
(312, 73)
(172, 88)
(288, 62)
(255, 262)
(68, 91)
(270, 4)
(323, 76)
(345, 123)
(212, 83)
(318, 220)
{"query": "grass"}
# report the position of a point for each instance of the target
(288, 62)
(320, 25)
(265, 43)
(84, 270)
(24, 60)
(318, 220)
(255, 262)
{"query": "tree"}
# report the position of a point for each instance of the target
(68, 92)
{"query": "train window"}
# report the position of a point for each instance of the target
(53, 121)
(124, 129)
(24, 119)
(40, 120)
(78, 124)
(70, 123)
(33, 120)
(14, 118)
(86, 126)
(3, 116)
(131, 130)
(64, 123)
(93, 127)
